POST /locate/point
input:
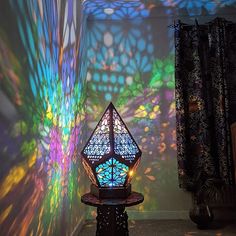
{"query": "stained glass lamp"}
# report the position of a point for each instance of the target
(111, 156)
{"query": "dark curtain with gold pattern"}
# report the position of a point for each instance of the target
(205, 73)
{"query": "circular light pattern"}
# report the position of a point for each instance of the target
(108, 39)
(108, 97)
(89, 76)
(115, 55)
(129, 80)
(109, 11)
(115, 10)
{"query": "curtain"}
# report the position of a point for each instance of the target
(205, 73)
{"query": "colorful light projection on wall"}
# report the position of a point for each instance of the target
(198, 7)
(44, 175)
(116, 54)
(153, 107)
(116, 10)
(148, 107)
(111, 155)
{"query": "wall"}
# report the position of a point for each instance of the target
(131, 63)
(41, 117)
(43, 64)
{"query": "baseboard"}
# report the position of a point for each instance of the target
(78, 227)
(158, 215)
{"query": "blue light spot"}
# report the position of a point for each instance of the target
(113, 79)
(141, 44)
(108, 97)
(121, 80)
(104, 78)
(96, 77)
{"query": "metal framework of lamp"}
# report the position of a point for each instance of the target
(111, 156)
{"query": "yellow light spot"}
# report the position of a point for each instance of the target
(49, 112)
(32, 160)
(151, 177)
(144, 140)
(5, 213)
(140, 112)
(54, 120)
(49, 115)
(93, 213)
(15, 175)
(99, 170)
(146, 129)
(142, 107)
(165, 124)
(152, 115)
(65, 137)
(156, 108)
(78, 194)
(147, 170)
(131, 173)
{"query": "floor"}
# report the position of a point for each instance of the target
(168, 228)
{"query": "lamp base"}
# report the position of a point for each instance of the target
(118, 192)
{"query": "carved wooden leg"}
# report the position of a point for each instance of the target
(112, 221)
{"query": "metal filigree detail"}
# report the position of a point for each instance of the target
(111, 151)
(123, 142)
(112, 221)
(89, 172)
(99, 144)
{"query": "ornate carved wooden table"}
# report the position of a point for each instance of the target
(112, 219)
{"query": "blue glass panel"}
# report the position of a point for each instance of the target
(112, 173)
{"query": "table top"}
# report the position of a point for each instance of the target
(133, 199)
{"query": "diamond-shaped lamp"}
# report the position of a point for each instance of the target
(111, 156)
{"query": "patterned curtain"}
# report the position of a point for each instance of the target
(205, 73)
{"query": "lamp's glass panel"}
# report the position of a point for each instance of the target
(112, 173)
(99, 143)
(124, 144)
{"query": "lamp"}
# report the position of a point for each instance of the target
(111, 156)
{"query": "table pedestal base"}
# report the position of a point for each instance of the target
(112, 221)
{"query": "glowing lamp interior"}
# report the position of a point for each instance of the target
(111, 155)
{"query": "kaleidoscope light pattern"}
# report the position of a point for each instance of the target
(163, 74)
(112, 173)
(42, 82)
(114, 157)
(45, 48)
(196, 7)
(115, 55)
(115, 10)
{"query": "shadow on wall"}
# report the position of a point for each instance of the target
(41, 117)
